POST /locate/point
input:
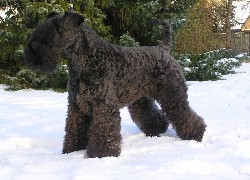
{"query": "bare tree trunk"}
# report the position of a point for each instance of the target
(229, 38)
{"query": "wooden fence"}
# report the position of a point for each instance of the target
(242, 42)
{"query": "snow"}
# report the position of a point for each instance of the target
(187, 69)
(32, 129)
(228, 60)
(2, 13)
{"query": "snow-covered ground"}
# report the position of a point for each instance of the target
(32, 129)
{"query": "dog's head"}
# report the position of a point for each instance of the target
(49, 39)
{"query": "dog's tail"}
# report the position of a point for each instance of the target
(166, 42)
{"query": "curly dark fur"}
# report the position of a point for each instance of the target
(104, 77)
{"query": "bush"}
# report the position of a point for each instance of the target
(208, 66)
(127, 40)
(25, 79)
(244, 57)
(59, 80)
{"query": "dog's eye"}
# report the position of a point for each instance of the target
(34, 45)
(59, 31)
(58, 28)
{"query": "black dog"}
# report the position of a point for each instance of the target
(104, 77)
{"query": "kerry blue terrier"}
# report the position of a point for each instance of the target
(104, 77)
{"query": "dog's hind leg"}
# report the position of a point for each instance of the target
(148, 117)
(173, 98)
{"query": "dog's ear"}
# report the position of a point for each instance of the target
(52, 14)
(72, 20)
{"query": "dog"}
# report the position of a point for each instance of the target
(105, 77)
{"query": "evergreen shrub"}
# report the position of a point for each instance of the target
(25, 79)
(208, 66)
(127, 40)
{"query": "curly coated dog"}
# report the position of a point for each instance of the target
(105, 77)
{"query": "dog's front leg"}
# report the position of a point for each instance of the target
(104, 132)
(77, 126)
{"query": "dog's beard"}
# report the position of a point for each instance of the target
(41, 63)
